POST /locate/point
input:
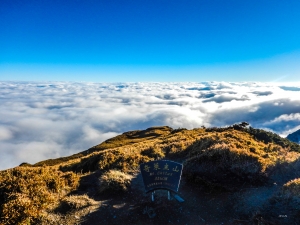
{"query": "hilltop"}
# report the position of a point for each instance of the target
(232, 175)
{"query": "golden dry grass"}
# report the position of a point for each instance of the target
(213, 156)
(132, 137)
(114, 180)
(27, 192)
(292, 188)
(127, 138)
(233, 156)
(77, 201)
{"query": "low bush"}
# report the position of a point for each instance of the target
(153, 152)
(26, 192)
(292, 188)
(284, 206)
(115, 180)
(232, 160)
(107, 160)
(76, 202)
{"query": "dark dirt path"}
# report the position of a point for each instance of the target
(201, 206)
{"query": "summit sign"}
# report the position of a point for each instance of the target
(161, 174)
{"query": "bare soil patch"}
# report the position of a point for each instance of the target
(201, 206)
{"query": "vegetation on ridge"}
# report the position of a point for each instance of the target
(126, 138)
(216, 158)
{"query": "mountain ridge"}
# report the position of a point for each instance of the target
(219, 161)
(131, 137)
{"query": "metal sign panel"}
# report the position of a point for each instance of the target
(161, 174)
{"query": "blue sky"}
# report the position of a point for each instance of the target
(155, 40)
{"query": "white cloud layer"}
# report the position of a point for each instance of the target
(48, 120)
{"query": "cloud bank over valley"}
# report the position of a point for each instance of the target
(49, 120)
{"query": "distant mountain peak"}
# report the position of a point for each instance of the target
(294, 137)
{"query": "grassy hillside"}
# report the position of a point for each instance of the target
(219, 159)
(126, 138)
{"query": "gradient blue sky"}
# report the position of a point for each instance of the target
(155, 40)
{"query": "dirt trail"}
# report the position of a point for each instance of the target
(200, 206)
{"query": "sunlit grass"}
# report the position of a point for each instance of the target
(25, 193)
(211, 156)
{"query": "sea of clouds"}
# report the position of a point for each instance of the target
(53, 119)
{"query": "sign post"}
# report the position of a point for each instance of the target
(161, 174)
